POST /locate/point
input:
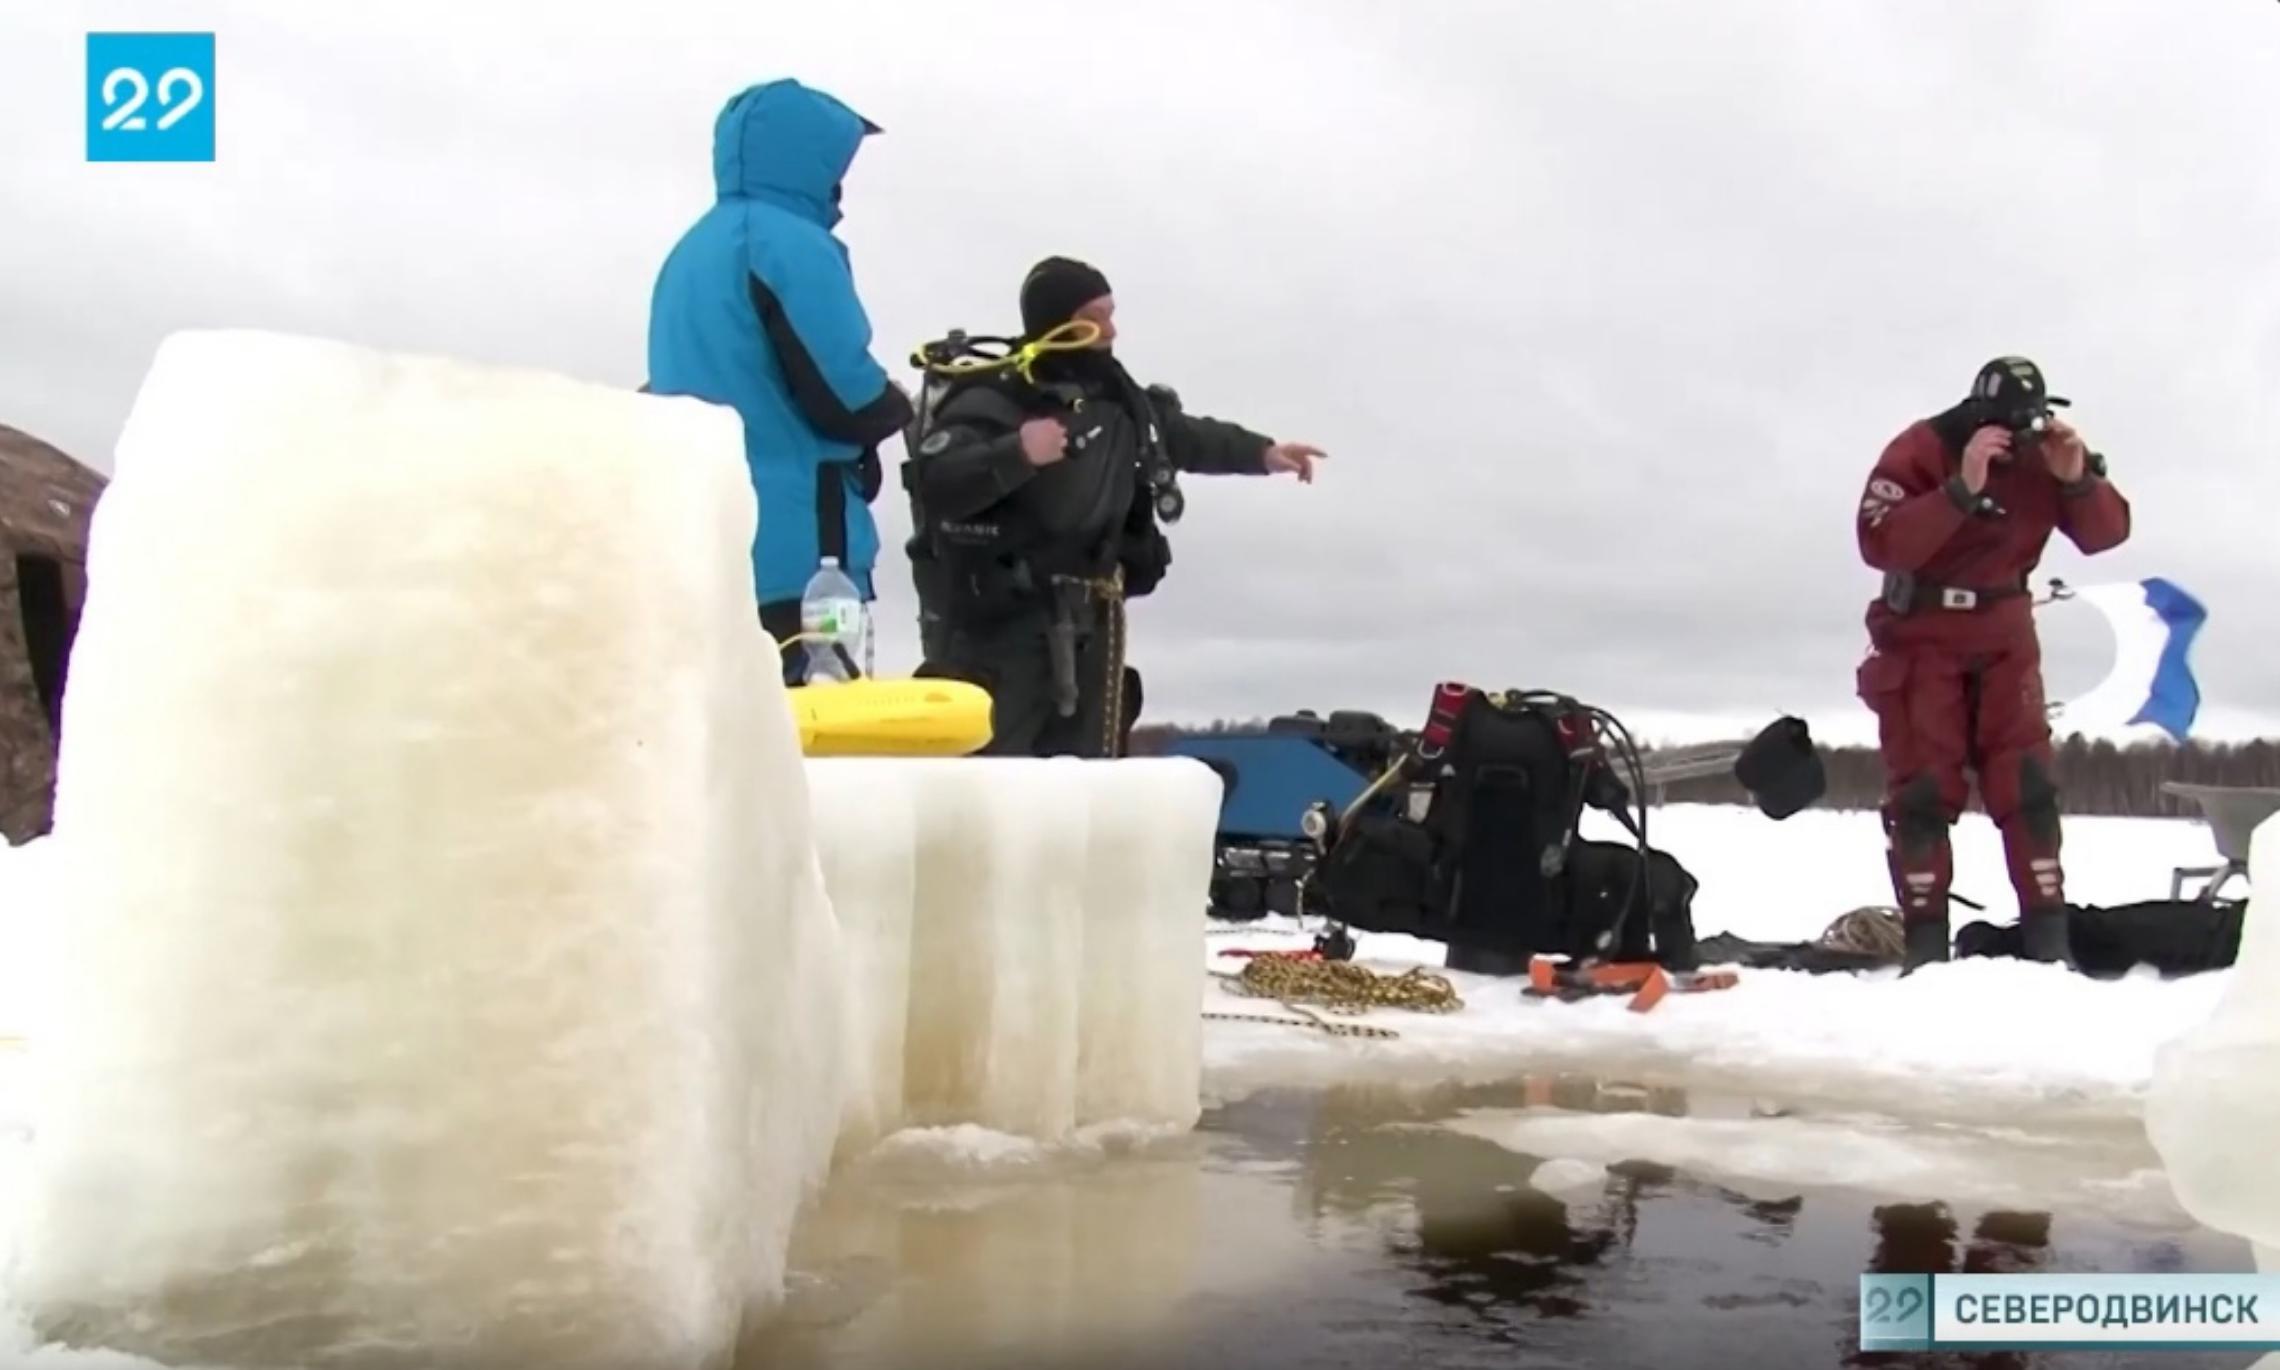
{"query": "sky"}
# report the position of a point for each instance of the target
(1603, 311)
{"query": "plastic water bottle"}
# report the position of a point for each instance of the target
(835, 619)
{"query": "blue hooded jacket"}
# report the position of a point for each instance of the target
(755, 308)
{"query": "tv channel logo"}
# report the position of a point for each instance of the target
(150, 97)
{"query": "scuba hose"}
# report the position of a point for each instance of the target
(1607, 728)
(1388, 776)
(1155, 463)
(961, 356)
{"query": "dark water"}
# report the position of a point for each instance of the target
(1357, 1229)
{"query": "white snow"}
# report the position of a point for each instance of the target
(435, 946)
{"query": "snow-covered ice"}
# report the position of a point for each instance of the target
(1970, 1039)
(435, 942)
(1995, 1082)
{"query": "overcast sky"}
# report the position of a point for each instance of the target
(1604, 310)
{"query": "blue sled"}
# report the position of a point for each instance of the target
(1271, 780)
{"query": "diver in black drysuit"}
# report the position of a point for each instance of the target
(1034, 509)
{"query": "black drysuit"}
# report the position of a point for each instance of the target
(1022, 570)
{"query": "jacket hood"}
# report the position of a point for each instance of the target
(789, 145)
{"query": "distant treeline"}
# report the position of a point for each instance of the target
(2094, 777)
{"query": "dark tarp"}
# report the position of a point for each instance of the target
(2172, 937)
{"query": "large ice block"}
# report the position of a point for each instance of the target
(1022, 936)
(437, 939)
(1147, 889)
(997, 940)
(866, 826)
(2213, 1108)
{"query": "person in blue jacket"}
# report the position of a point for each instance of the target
(756, 308)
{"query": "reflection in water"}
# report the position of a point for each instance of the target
(1919, 1239)
(1466, 1213)
(1459, 1208)
(1353, 1228)
(904, 1266)
(1923, 1239)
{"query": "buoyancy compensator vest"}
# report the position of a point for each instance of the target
(1081, 517)
(1491, 862)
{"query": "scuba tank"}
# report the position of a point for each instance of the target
(937, 363)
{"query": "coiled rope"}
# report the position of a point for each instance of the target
(1295, 979)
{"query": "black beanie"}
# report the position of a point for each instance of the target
(1055, 290)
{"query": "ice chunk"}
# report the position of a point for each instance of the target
(1039, 974)
(2213, 1109)
(436, 933)
(866, 825)
(1567, 1175)
(1864, 1153)
(1147, 890)
(997, 937)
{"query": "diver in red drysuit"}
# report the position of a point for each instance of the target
(1957, 514)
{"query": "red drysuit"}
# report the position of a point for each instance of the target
(1956, 681)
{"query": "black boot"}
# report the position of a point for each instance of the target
(2043, 934)
(1927, 942)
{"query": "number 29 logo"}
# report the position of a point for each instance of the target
(150, 97)
(180, 90)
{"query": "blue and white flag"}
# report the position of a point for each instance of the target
(2154, 622)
